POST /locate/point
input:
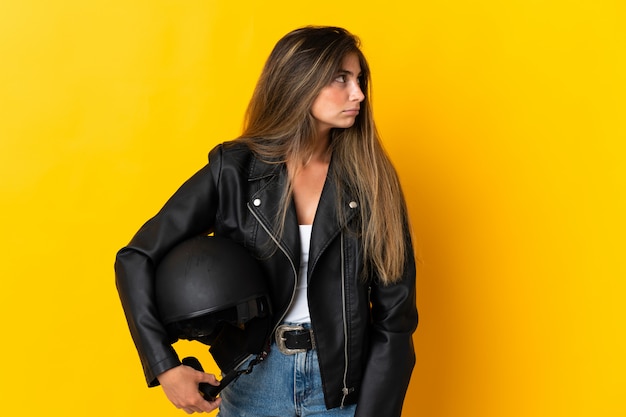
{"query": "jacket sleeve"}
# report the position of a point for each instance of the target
(189, 212)
(392, 357)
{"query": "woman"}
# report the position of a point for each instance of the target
(309, 191)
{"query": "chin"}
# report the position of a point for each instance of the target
(345, 124)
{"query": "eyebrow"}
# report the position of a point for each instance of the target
(344, 71)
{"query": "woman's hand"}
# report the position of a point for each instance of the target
(180, 385)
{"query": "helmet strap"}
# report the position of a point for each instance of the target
(229, 348)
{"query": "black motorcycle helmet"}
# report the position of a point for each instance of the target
(210, 289)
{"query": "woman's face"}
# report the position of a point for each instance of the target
(337, 105)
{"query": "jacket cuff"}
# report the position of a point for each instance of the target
(158, 368)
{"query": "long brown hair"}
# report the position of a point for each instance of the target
(279, 127)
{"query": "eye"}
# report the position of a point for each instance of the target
(341, 78)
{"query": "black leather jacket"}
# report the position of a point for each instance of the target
(365, 353)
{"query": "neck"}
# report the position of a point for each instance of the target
(321, 147)
(320, 155)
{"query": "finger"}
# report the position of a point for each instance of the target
(204, 406)
(211, 405)
(190, 409)
(210, 378)
(193, 409)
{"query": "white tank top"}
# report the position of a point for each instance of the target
(299, 311)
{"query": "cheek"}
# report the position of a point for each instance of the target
(319, 106)
(326, 101)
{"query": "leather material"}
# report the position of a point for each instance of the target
(365, 354)
(292, 339)
(298, 340)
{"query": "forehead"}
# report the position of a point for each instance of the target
(351, 63)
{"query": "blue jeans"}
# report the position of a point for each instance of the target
(280, 386)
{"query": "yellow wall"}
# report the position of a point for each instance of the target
(506, 120)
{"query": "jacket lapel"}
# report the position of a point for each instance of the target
(327, 223)
(265, 203)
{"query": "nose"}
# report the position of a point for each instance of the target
(356, 94)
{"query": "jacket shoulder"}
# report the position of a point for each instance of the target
(234, 149)
(231, 155)
(238, 155)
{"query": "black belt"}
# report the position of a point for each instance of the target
(294, 339)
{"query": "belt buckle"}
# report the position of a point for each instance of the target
(280, 339)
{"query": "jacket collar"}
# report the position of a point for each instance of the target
(260, 169)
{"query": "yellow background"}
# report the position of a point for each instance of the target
(505, 119)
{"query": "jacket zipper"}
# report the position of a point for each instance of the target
(345, 390)
(293, 268)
